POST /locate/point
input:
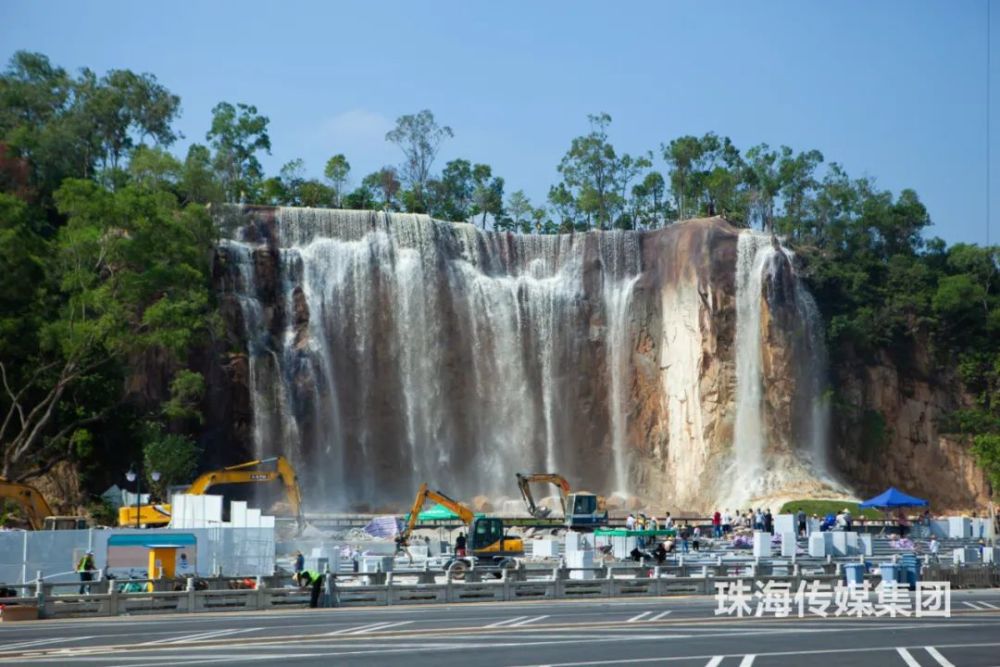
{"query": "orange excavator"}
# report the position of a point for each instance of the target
(36, 509)
(251, 472)
(487, 545)
(582, 511)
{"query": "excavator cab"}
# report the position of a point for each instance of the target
(584, 511)
(581, 511)
(486, 537)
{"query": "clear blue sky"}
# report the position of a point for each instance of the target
(894, 90)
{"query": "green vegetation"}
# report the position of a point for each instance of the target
(823, 507)
(105, 243)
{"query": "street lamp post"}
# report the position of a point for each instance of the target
(133, 476)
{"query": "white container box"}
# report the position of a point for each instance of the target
(581, 558)
(762, 545)
(544, 548)
(817, 545)
(788, 544)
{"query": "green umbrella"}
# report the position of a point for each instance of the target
(437, 513)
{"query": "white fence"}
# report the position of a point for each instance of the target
(54, 553)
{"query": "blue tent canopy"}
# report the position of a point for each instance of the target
(893, 497)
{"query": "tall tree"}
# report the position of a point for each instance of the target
(487, 193)
(336, 171)
(519, 208)
(419, 137)
(237, 135)
(595, 178)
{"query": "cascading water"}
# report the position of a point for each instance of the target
(390, 349)
(384, 350)
(762, 465)
(752, 253)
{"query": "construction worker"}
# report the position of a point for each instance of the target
(307, 578)
(86, 567)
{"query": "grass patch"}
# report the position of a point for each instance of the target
(824, 507)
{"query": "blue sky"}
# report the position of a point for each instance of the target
(894, 90)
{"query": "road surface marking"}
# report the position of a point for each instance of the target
(370, 627)
(943, 661)
(526, 621)
(987, 604)
(507, 621)
(199, 636)
(660, 615)
(907, 658)
(379, 627)
(40, 642)
(747, 660)
(972, 605)
(638, 617)
(714, 662)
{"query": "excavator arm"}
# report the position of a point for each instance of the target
(250, 473)
(32, 502)
(423, 495)
(524, 484)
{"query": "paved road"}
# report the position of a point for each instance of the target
(681, 632)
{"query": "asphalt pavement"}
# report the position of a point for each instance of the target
(677, 631)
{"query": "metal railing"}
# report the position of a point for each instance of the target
(53, 600)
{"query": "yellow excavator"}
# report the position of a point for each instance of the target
(582, 511)
(36, 509)
(486, 545)
(251, 472)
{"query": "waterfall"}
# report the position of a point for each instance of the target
(617, 299)
(753, 253)
(390, 349)
(763, 464)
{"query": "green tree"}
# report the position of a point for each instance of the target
(595, 179)
(419, 137)
(336, 171)
(487, 193)
(520, 209)
(450, 196)
(237, 135)
(129, 273)
(174, 456)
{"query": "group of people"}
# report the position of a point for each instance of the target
(724, 523)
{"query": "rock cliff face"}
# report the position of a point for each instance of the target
(887, 433)
(684, 366)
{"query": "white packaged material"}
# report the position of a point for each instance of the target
(581, 558)
(788, 544)
(544, 548)
(762, 545)
(817, 545)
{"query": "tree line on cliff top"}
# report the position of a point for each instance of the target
(106, 240)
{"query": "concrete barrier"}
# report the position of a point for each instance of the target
(60, 600)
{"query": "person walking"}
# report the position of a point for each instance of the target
(768, 521)
(717, 525)
(86, 568)
(630, 522)
(300, 562)
(800, 518)
(727, 522)
(460, 544)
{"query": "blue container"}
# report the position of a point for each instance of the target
(890, 572)
(854, 573)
